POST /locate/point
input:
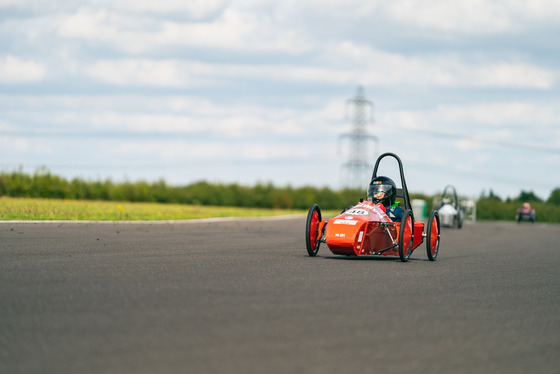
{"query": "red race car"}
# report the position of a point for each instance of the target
(380, 225)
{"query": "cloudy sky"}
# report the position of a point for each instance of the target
(466, 92)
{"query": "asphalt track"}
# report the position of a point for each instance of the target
(242, 296)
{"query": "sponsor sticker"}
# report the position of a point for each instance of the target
(345, 222)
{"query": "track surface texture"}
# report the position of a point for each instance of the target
(242, 296)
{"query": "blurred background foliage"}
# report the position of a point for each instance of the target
(43, 184)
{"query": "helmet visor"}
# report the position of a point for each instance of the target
(379, 188)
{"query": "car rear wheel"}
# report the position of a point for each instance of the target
(432, 236)
(406, 235)
(312, 237)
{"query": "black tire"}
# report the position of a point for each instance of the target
(433, 236)
(312, 235)
(406, 235)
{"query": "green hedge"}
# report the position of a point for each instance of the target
(42, 184)
(488, 210)
(495, 209)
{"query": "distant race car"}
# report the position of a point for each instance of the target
(450, 213)
(526, 213)
(367, 229)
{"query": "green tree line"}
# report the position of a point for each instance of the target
(43, 184)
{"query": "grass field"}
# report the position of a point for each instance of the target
(53, 209)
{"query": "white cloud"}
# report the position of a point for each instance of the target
(141, 72)
(484, 115)
(512, 75)
(474, 16)
(193, 8)
(15, 145)
(176, 150)
(6, 3)
(497, 115)
(180, 115)
(40, 6)
(268, 80)
(104, 26)
(376, 68)
(180, 150)
(15, 70)
(136, 34)
(231, 30)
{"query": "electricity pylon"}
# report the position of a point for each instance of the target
(357, 170)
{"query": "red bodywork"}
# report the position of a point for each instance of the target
(365, 229)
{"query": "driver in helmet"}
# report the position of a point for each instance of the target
(382, 190)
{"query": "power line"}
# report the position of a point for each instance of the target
(475, 139)
(358, 136)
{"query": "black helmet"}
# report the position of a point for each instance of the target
(384, 185)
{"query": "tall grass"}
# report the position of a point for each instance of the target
(57, 209)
